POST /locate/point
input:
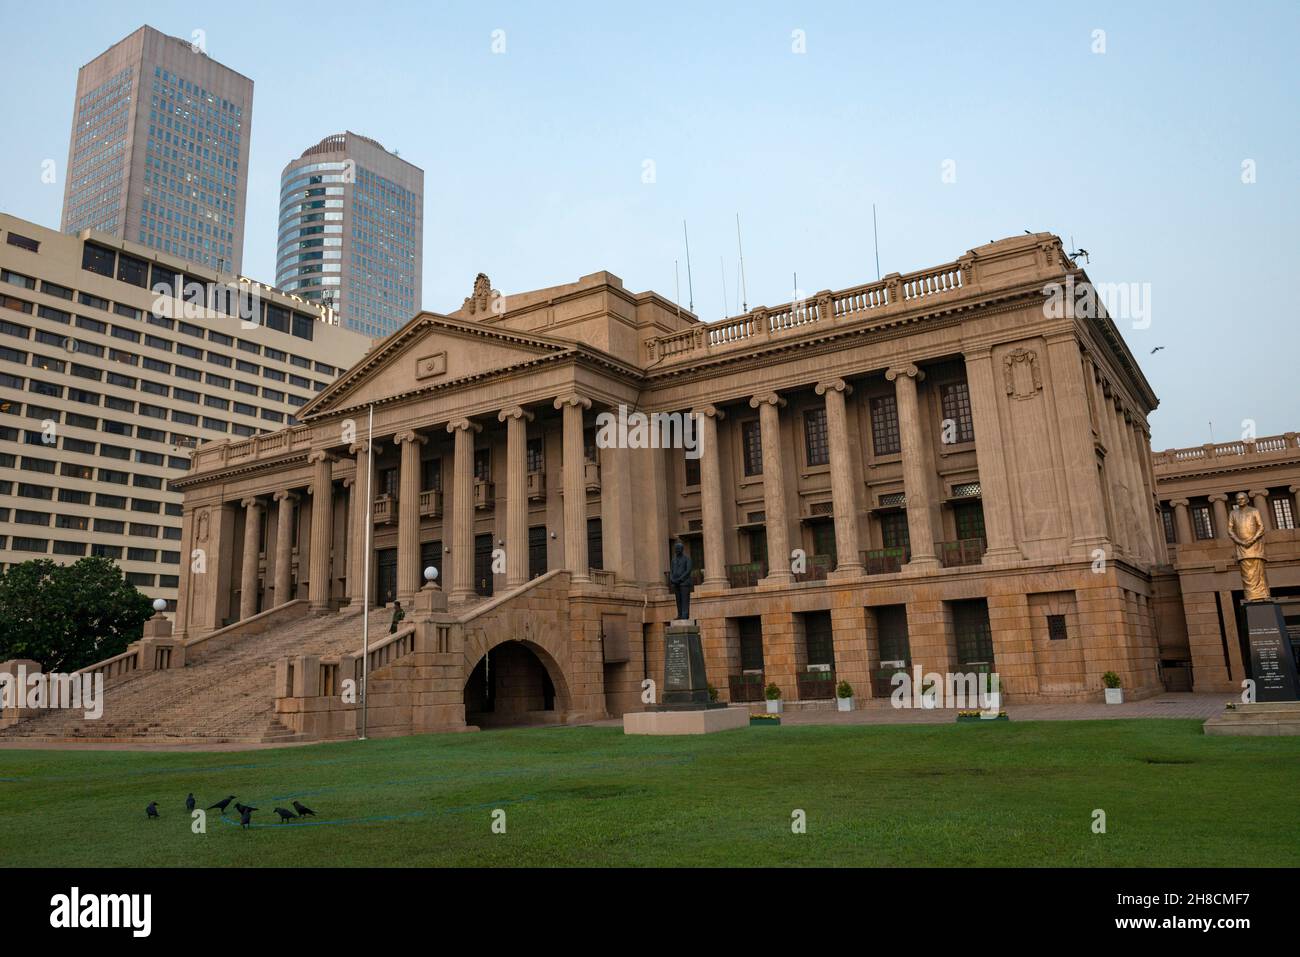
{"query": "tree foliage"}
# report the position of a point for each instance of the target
(68, 616)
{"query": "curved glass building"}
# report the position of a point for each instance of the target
(351, 229)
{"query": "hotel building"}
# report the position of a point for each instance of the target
(106, 388)
(159, 150)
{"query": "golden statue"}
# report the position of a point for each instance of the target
(1246, 529)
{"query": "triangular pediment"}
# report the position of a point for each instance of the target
(430, 350)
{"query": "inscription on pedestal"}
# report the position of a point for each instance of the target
(684, 682)
(1272, 663)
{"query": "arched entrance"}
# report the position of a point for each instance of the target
(514, 684)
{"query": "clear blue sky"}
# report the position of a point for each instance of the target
(534, 158)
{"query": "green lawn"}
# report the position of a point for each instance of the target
(997, 794)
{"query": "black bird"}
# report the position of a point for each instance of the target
(246, 816)
(303, 810)
(241, 808)
(1156, 349)
(285, 815)
(222, 805)
(189, 802)
(152, 809)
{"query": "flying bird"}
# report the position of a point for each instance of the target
(189, 802)
(246, 816)
(1156, 349)
(152, 809)
(285, 815)
(303, 810)
(222, 805)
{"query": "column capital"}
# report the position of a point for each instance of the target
(289, 497)
(463, 425)
(320, 455)
(709, 412)
(251, 502)
(572, 398)
(1217, 497)
(766, 398)
(410, 435)
(909, 370)
(514, 412)
(363, 446)
(833, 385)
(1293, 489)
(1181, 502)
(1258, 493)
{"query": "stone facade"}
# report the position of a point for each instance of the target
(1202, 620)
(931, 470)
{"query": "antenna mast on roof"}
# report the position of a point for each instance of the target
(744, 293)
(690, 285)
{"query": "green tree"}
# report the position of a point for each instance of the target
(68, 616)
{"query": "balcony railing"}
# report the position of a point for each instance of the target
(1210, 451)
(536, 485)
(884, 561)
(746, 575)
(591, 476)
(484, 494)
(818, 567)
(431, 504)
(815, 685)
(964, 551)
(745, 688)
(882, 681)
(385, 509)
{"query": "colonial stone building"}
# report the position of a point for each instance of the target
(1202, 624)
(933, 469)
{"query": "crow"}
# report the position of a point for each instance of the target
(189, 802)
(222, 805)
(152, 809)
(1156, 349)
(285, 815)
(241, 808)
(303, 810)
(246, 816)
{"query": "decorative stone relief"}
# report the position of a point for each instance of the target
(1021, 374)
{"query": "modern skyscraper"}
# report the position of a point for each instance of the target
(351, 232)
(159, 150)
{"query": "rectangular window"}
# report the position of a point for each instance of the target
(692, 471)
(884, 425)
(816, 446)
(955, 397)
(1056, 630)
(431, 475)
(482, 465)
(969, 518)
(98, 260)
(536, 551)
(1283, 515)
(970, 622)
(751, 435)
(893, 530)
(1167, 520)
(535, 455)
(595, 544)
(1202, 522)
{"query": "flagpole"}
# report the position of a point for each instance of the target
(365, 597)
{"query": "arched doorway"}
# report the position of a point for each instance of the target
(512, 685)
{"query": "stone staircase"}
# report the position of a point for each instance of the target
(225, 696)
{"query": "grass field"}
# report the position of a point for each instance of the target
(1011, 794)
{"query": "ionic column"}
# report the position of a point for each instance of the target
(248, 574)
(283, 546)
(777, 522)
(359, 501)
(516, 420)
(322, 531)
(916, 484)
(1259, 496)
(1182, 520)
(715, 549)
(408, 516)
(575, 487)
(990, 456)
(1220, 502)
(844, 495)
(462, 510)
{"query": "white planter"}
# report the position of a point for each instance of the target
(1114, 695)
(773, 705)
(844, 704)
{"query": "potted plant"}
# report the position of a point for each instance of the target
(1114, 693)
(713, 693)
(773, 695)
(844, 696)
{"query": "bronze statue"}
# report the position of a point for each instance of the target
(679, 576)
(1246, 529)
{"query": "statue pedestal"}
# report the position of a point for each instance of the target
(1272, 662)
(685, 708)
